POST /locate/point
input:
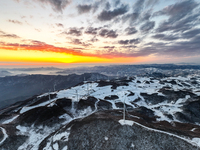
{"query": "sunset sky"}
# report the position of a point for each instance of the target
(99, 31)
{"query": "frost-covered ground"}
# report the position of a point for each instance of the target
(43, 119)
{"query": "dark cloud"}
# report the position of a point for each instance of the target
(147, 50)
(187, 48)
(182, 25)
(97, 4)
(158, 36)
(191, 33)
(165, 26)
(178, 10)
(6, 35)
(84, 8)
(91, 30)
(116, 3)
(130, 30)
(126, 42)
(147, 26)
(130, 52)
(175, 49)
(165, 37)
(143, 52)
(94, 39)
(35, 42)
(107, 7)
(181, 16)
(178, 49)
(138, 14)
(138, 6)
(185, 35)
(129, 46)
(59, 25)
(15, 22)
(108, 47)
(145, 16)
(132, 18)
(78, 42)
(108, 33)
(74, 31)
(109, 52)
(153, 43)
(107, 15)
(150, 3)
(57, 5)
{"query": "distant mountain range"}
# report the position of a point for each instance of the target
(111, 70)
(19, 88)
(4, 73)
(132, 70)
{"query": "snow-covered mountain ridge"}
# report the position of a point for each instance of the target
(160, 113)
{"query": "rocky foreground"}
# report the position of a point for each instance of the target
(159, 114)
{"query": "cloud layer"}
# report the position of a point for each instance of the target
(6, 35)
(118, 28)
(107, 15)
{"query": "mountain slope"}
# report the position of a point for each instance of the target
(160, 114)
(18, 88)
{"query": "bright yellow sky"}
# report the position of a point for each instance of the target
(54, 57)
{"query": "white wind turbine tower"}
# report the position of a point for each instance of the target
(49, 95)
(54, 86)
(124, 109)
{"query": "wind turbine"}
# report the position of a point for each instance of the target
(124, 115)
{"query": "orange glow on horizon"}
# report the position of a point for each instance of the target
(35, 56)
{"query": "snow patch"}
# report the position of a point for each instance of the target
(10, 120)
(56, 146)
(84, 112)
(63, 135)
(36, 136)
(132, 145)
(5, 135)
(65, 148)
(27, 108)
(21, 128)
(126, 122)
(196, 141)
(51, 104)
(106, 138)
